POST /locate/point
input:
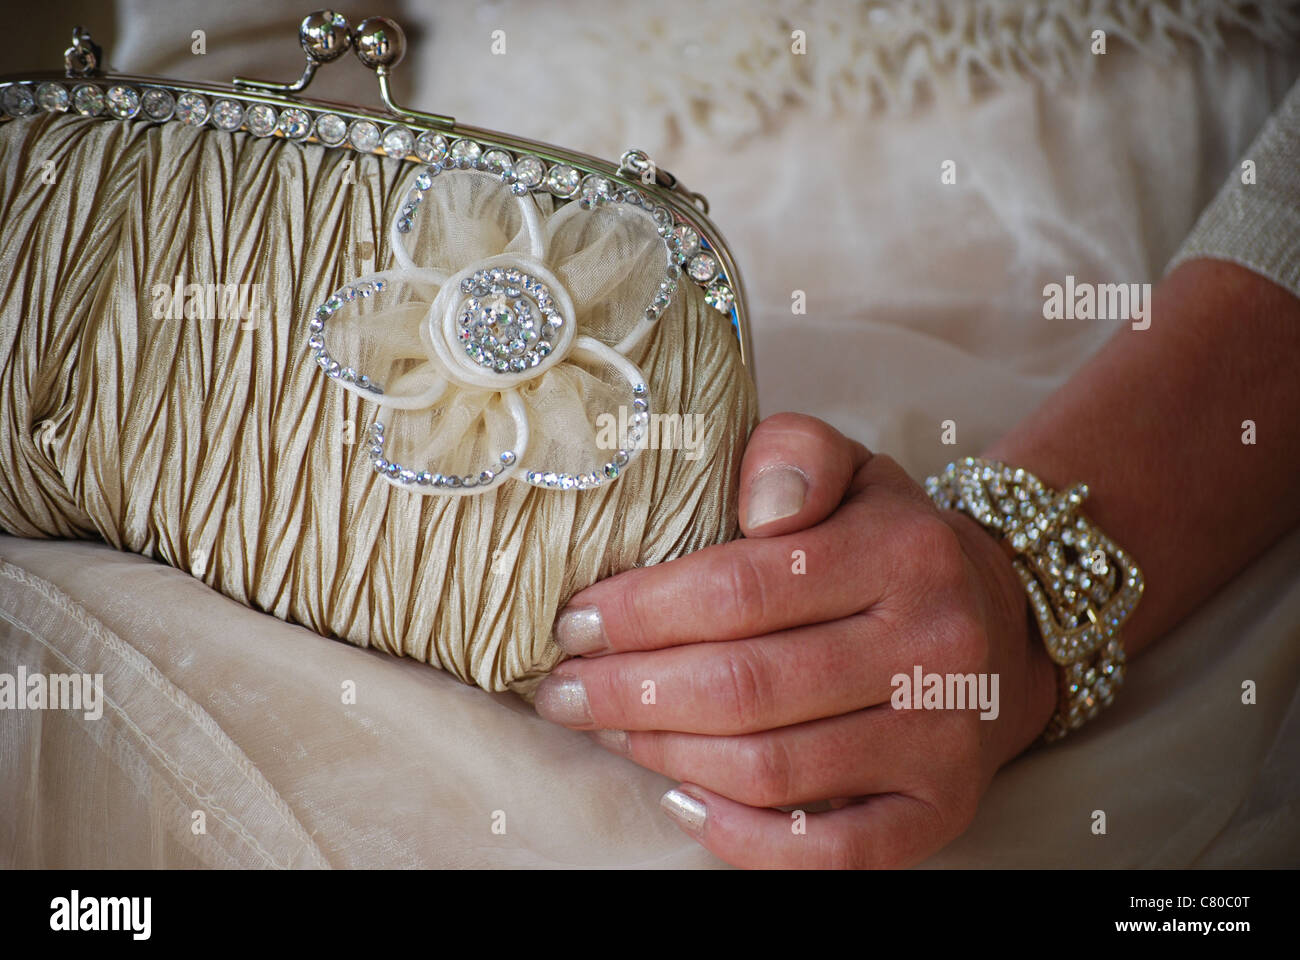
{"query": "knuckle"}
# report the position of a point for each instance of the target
(768, 772)
(744, 589)
(884, 463)
(939, 543)
(890, 473)
(639, 611)
(961, 804)
(953, 795)
(964, 643)
(743, 692)
(928, 552)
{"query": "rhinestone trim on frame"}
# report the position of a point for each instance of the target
(689, 253)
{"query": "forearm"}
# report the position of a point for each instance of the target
(1153, 425)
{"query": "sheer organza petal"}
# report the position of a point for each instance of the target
(580, 411)
(612, 260)
(463, 434)
(381, 341)
(469, 215)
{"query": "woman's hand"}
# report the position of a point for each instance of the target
(759, 672)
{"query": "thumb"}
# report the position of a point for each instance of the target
(795, 472)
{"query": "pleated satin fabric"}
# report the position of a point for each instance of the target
(218, 446)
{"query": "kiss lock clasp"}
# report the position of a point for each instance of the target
(378, 42)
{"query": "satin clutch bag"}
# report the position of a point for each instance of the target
(407, 382)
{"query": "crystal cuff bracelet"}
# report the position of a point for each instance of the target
(1081, 586)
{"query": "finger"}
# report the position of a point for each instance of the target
(885, 831)
(795, 472)
(749, 587)
(742, 686)
(866, 752)
(883, 473)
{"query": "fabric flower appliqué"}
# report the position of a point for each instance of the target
(504, 330)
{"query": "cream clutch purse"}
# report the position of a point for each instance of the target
(406, 382)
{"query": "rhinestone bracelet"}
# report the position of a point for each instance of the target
(1081, 586)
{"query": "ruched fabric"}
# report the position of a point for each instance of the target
(218, 446)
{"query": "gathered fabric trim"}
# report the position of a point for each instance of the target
(734, 69)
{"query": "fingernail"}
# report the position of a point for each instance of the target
(776, 493)
(689, 813)
(615, 740)
(562, 700)
(580, 631)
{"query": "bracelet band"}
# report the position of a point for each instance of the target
(1081, 586)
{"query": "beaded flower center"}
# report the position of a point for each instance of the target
(507, 321)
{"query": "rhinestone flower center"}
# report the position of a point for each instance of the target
(508, 322)
(501, 322)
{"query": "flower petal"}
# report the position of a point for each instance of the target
(369, 337)
(612, 261)
(469, 444)
(463, 216)
(585, 416)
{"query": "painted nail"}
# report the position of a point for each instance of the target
(688, 812)
(580, 631)
(615, 740)
(776, 493)
(563, 700)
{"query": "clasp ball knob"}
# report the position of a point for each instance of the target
(325, 35)
(379, 42)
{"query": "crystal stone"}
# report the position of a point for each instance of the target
(498, 161)
(465, 151)
(53, 97)
(295, 123)
(262, 119)
(529, 171)
(192, 109)
(123, 102)
(688, 239)
(702, 267)
(431, 147)
(398, 141)
(331, 130)
(720, 297)
(18, 100)
(595, 187)
(87, 100)
(364, 135)
(157, 104)
(228, 114)
(563, 180)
